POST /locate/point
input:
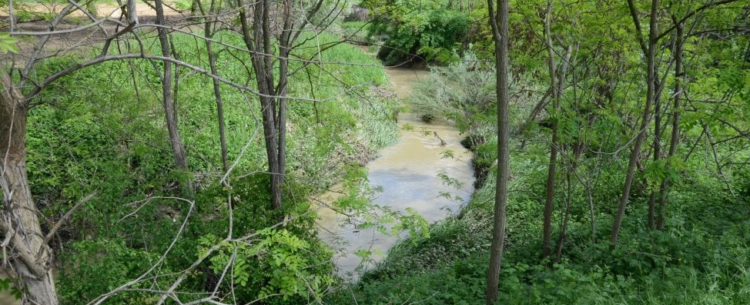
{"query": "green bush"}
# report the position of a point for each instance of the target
(418, 31)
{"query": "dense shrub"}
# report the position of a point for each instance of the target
(418, 31)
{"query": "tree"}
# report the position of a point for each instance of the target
(557, 85)
(30, 255)
(180, 158)
(676, 112)
(19, 224)
(208, 33)
(271, 67)
(499, 23)
(649, 48)
(550, 188)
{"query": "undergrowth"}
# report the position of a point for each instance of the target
(86, 135)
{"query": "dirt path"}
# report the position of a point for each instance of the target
(110, 10)
(78, 42)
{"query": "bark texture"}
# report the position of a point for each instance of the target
(31, 258)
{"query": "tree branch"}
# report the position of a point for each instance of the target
(104, 59)
(691, 14)
(64, 219)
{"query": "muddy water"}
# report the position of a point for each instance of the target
(408, 174)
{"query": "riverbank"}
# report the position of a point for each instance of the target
(701, 258)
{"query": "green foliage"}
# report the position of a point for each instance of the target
(8, 44)
(111, 140)
(461, 92)
(184, 5)
(86, 135)
(700, 258)
(418, 31)
(274, 262)
(6, 284)
(106, 264)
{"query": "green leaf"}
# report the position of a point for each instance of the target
(8, 44)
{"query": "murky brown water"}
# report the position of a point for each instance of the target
(408, 174)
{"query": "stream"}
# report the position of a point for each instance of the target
(407, 172)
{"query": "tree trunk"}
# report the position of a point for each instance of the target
(180, 158)
(285, 42)
(675, 139)
(30, 258)
(264, 69)
(566, 215)
(657, 155)
(272, 99)
(499, 23)
(217, 88)
(549, 201)
(641, 135)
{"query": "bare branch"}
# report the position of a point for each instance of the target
(63, 220)
(197, 69)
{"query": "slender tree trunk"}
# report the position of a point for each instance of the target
(30, 257)
(577, 152)
(549, 201)
(499, 23)
(180, 158)
(262, 31)
(194, 7)
(566, 215)
(259, 43)
(285, 42)
(219, 107)
(641, 133)
(657, 155)
(658, 134)
(675, 139)
(274, 104)
(217, 88)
